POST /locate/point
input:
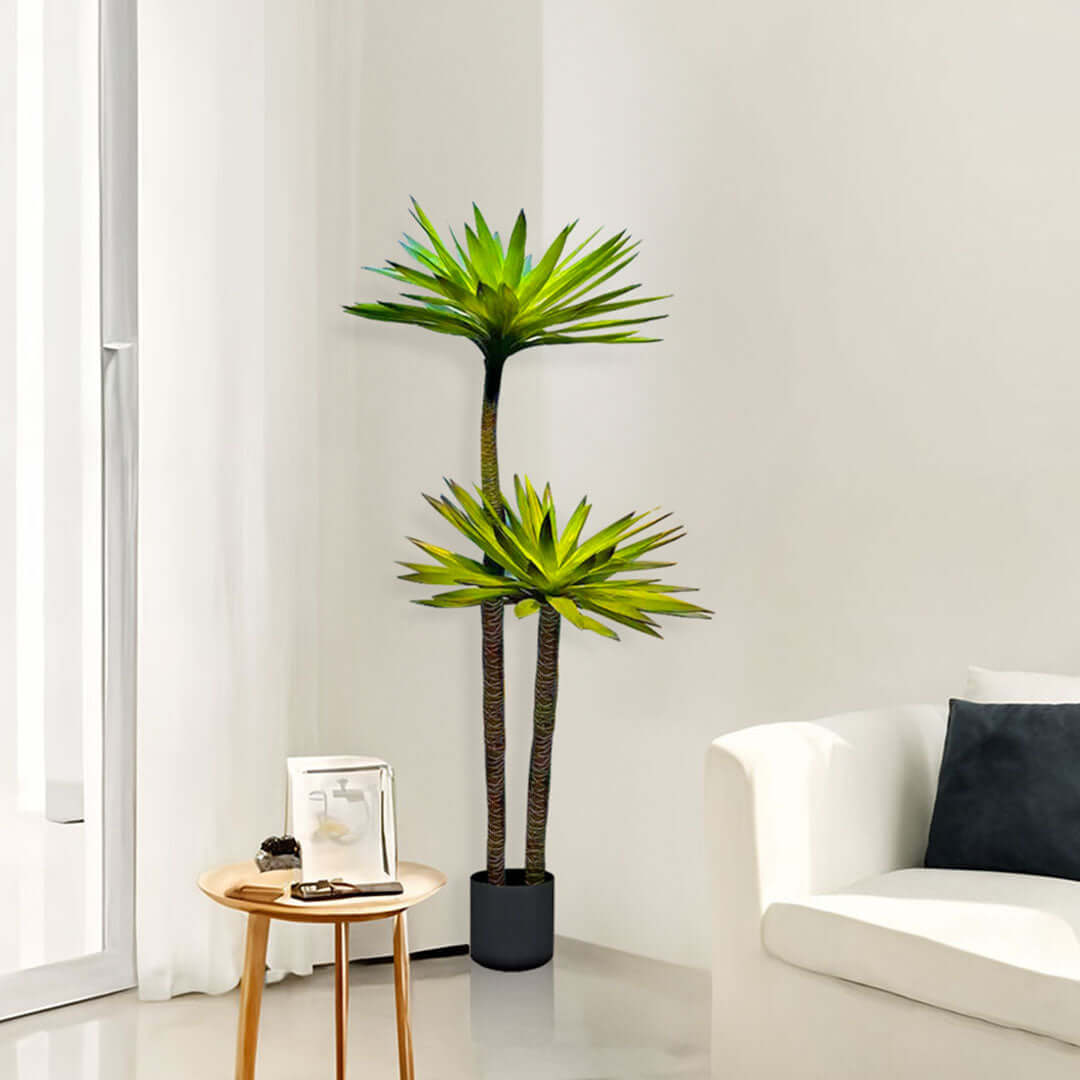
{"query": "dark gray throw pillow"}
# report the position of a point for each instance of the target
(1008, 794)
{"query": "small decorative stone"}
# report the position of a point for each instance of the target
(278, 853)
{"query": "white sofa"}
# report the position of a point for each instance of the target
(835, 954)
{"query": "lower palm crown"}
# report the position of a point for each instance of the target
(532, 562)
(498, 298)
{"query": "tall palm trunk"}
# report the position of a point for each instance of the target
(545, 695)
(491, 628)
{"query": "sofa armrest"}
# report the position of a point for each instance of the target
(798, 808)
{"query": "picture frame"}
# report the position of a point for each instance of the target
(341, 812)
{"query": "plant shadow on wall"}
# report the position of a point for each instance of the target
(498, 298)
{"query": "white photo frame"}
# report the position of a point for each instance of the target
(341, 812)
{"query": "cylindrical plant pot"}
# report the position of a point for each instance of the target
(512, 926)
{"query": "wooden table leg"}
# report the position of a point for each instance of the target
(402, 993)
(341, 993)
(251, 988)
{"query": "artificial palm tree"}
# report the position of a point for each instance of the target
(501, 301)
(528, 562)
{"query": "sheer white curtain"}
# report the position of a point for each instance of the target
(231, 324)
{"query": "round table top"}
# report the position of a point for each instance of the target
(420, 882)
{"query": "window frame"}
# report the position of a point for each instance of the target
(113, 968)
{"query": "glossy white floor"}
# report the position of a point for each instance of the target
(593, 1013)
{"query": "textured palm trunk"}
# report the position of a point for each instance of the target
(544, 699)
(491, 628)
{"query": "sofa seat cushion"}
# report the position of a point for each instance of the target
(1001, 947)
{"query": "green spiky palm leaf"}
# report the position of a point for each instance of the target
(536, 563)
(498, 298)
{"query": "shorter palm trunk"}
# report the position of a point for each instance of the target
(545, 695)
(491, 621)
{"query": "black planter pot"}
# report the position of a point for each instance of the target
(512, 926)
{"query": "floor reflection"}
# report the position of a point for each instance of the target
(593, 1013)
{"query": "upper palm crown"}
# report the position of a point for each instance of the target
(500, 300)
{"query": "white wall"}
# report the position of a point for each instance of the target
(9, 234)
(865, 406)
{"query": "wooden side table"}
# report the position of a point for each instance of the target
(420, 882)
